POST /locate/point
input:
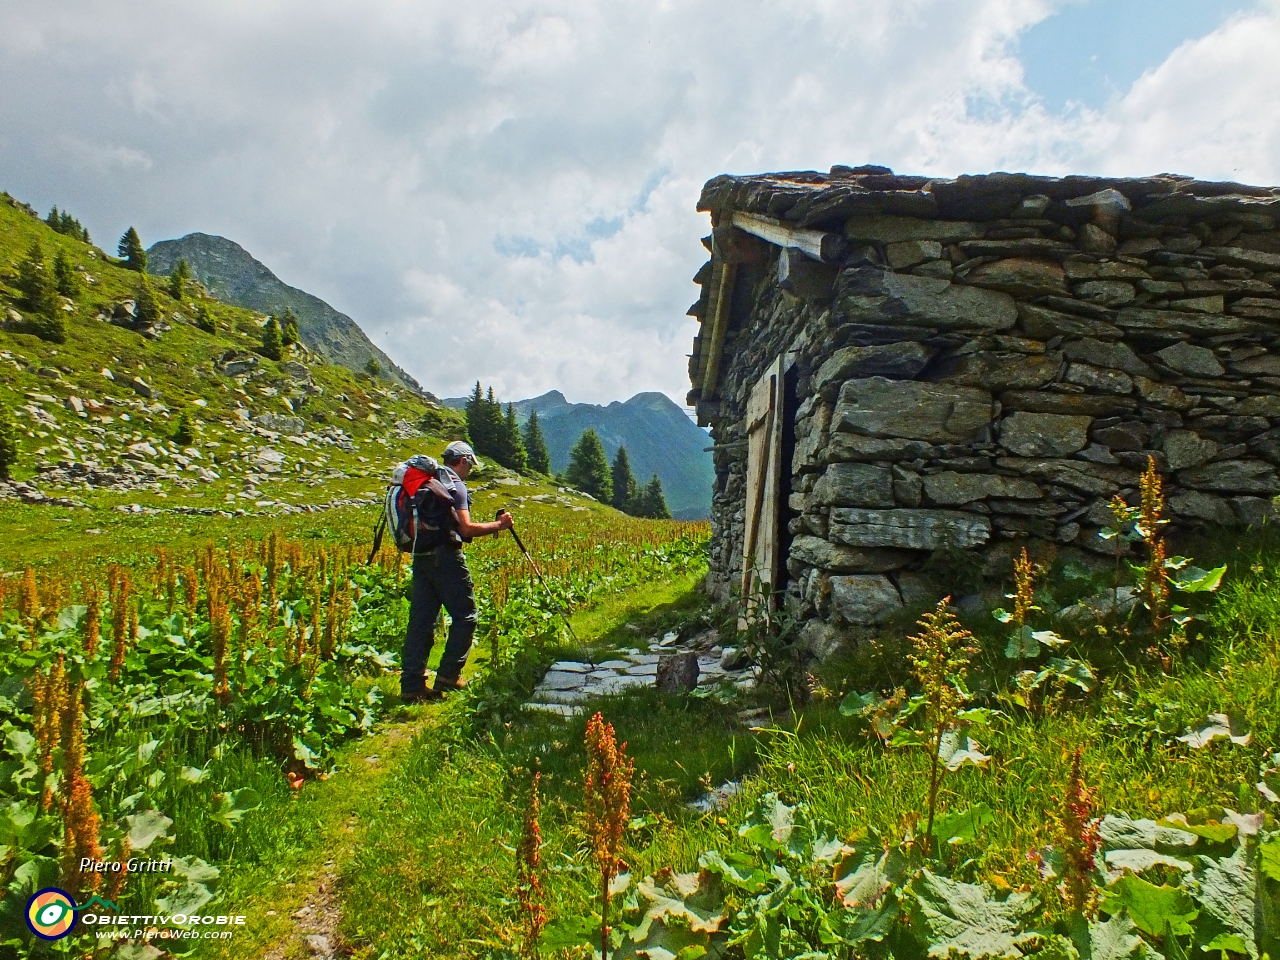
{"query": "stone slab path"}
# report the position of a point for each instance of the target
(569, 683)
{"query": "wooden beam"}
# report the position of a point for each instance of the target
(726, 274)
(815, 244)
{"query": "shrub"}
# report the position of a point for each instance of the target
(8, 443)
(178, 280)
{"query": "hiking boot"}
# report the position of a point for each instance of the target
(445, 684)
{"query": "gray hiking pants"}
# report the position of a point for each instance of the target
(440, 578)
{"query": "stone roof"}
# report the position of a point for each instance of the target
(818, 200)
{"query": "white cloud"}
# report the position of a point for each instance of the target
(506, 191)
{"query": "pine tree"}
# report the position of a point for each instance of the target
(54, 219)
(8, 443)
(148, 309)
(272, 345)
(64, 277)
(651, 503)
(475, 417)
(514, 455)
(185, 432)
(178, 280)
(624, 483)
(289, 334)
(536, 446)
(35, 282)
(589, 467)
(204, 319)
(132, 251)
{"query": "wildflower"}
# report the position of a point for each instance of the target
(1077, 824)
(79, 817)
(49, 704)
(92, 620)
(533, 912)
(608, 803)
(1024, 588)
(29, 600)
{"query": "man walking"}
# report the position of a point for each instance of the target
(441, 578)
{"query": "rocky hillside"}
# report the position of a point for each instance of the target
(99, 411)
(231, 274)
(658, 436)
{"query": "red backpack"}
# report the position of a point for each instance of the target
(417, 508)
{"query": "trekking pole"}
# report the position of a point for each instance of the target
(543, 580)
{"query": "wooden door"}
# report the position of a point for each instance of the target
(760, 554)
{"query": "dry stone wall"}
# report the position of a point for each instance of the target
(982, 363)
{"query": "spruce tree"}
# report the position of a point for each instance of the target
(8, 443)
(132, 251)
(514, 455)
(289, 334)
(475, 417)
(64, 277)
(185, 432)
(148, 309)
(178, 280)
(536, 446)
(54, 219)
(204, 319)
(589, 467)
(624, 483)
(651, 503)
(272, 346)
(38, 292)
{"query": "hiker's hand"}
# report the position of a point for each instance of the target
(505, 521)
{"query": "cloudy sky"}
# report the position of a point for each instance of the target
(505, 191)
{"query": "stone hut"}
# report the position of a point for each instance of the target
(905, 374)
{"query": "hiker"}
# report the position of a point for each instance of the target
(441, 578)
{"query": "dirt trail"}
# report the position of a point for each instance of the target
(299, 919)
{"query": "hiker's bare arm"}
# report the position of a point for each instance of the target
(470, 530)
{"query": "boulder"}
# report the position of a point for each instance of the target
(949, 489)
(855, 485)
(865, 600)
(1044, 434)
(296, 370)
(280, 424)
(918, 411)
(1202, 506)
(1191, 361)
(234, 368)
(839, 558)
(908, 529)
(1021, 277)
(896, 361)
(142, 388)
(677, 672)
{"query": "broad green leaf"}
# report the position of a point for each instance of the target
(735, 870)
(192, 774)
(776, 827)
(1212, 831)
(569, 932)
(186, 899)
(69, 617)
(1269, 858)
(1070, 670)
(1118, 832)
(957, 749)
(147, 827)
(20, 743)
(1214, 726)
(1022, 644)
(130, 950)
(962, 826)
(195, 870)
(1075, 570)
(1152, 908)
(859, 704)
(1115, 939)
(962, 919)
(1195, 580)
(864, 924)
(1226, 891)
(1141, 860)
(863, 877)
(147, 750)
(663, 942)
(230, 807)
(695, 899)
(1048, 638)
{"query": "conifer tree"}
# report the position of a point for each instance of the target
(514, 456)
(8, 443)
(272, 345)
(289, 334)
(651, 503)
(589, 467)
(178, 280)
(54, 219)
(64, 277)
(204, 319)
(624, 483)
(132, 251)
(475, 417)
(35, 283)
(185, 432)
(148, 309)
(373, 368)
(536, 446)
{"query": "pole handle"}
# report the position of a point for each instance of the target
(519, 542)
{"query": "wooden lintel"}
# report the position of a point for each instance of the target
(815, 244)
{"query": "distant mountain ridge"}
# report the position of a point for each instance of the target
(231, 274)
(659, 438)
